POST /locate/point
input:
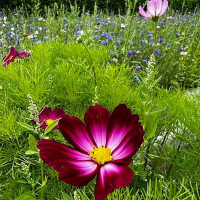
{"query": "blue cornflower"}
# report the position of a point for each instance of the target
(8, 33)
(181, 48)
(157, 52)
(18, 42)
(162, 23)
(139, 68)
(161, 39)
(104, 42)
(112, 53)
(36, 18)
(169, 45)
(117, 41)
(12, 38)
(31, 27)
(131, 52)
(178, 34)
(149, 34)
(145, 61)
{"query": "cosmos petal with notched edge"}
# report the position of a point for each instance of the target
(121, 122)
(130, 144)
(97, 119)
(75, 132)
(73, 166)
(110, 177)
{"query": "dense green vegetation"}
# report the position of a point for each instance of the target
(113, 6)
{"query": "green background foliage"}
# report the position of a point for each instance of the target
(111, 5)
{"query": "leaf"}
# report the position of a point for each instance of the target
(31, 152)
(26, 196)
(26, 126)
(66, 196)
(32, 143)
(151, 132)
(51, 126)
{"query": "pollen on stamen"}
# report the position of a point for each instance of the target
(101, 155)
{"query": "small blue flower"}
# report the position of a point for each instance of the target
(193, 25)
(104, 42)
(87, 14)
(145, 61)
(149, 34)
(181, 48)
(131, 52)
(8, 33)
(178, 34)
(117, 41)
(36, 18)
(162, 23)
(12, 38)
(169, 45)
(18, 42)
(157, 52)
(31, 27)
(112, 53)
(139, 68)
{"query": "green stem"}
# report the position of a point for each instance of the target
(42, 176)
(93, 68)
(155, 38)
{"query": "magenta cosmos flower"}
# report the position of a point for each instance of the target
(155, 9)
(103, 146)
(48, 116)
(14, 54)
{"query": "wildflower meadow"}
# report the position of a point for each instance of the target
(100, 103)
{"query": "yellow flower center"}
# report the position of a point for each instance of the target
(49, 121)
(101, 155)
(11, 57)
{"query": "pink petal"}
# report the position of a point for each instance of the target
(75, 132)
(23, 54)
(151, 8)
(143, 13)
(45, 114)
(164, 7)
(121, 122)
(130, 144)
(158, 7)
(73, 166)
(110, 177)
(7, 63)
(57, 114)
(97, 119)
(13, 53)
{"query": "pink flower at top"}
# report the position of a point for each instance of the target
(155, 9)
(48, 116)
(103, 146)
(14, 54)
